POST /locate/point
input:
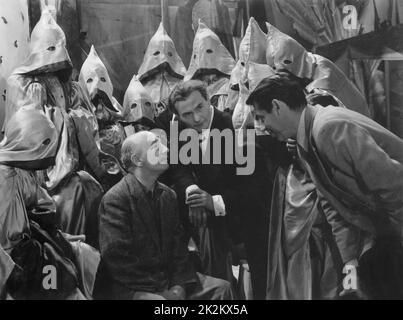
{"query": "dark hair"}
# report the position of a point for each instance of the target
(183, 90)
(283, 86)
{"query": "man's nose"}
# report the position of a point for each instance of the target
(196, 118)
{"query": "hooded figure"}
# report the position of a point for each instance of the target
(43, 82)
(30, 143)
(94, 78)
(251, 49)
(47, 55)
(283, 52)
(242, 117)
(141, 106)
(162, 68)
(211, 62)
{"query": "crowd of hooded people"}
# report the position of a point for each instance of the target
(320, 216)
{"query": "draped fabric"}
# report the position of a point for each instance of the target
(30, 138)
(302, 262)
(14, 35)
(283, 52)
(77, 199)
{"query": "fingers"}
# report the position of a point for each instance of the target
(194, 197)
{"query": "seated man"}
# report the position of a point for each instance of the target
(141, 238)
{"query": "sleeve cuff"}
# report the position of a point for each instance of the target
(219, 206)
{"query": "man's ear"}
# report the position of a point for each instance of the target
(136, 161)
(277, 106)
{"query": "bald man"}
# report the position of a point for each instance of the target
(143, 247)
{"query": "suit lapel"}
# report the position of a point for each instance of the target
(143, 207)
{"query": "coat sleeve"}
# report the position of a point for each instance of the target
(348, 237)
(115, 239)
(354, 150)
(182, 271)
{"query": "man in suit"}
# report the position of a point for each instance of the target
(141, 237)
(357, 166)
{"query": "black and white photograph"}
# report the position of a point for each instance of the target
(218, 151)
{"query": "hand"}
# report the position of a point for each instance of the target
(175, 293)
(198, 217)
(199, 198)
(292, 147)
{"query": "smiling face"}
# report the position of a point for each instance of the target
(194, 112)
(280, 122)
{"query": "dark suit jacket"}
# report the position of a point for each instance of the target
(136, 258)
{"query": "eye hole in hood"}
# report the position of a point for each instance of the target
(209, 51)
(286, 61)
(89, 80)
(156, 53)
(103, 79)
(133, 106)
(51, 48)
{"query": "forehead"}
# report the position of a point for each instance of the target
(190, 103)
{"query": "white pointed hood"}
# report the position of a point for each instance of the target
(95, 77)
(242, 117)
(209, 54)
(251, 49)
(47, 48)
(161, 55)
(284, 52)
(138, 101)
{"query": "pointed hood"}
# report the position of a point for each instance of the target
(95, 78)
(241, 110)
(29, 138)
(251, 49)
(255, 72)
(209, 54)
(161, 54)
(284, 52)
(47, 48)
(138, 101)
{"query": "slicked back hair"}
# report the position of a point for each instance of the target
(283, 86)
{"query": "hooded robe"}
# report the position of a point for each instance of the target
(252, 50)
(94, 78)
(42, 82)
(30, 141)
(162, 68)
(283, 52)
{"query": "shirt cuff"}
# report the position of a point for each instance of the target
(219, 206)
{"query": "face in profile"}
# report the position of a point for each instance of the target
(277, 122)
(194, 112)
(156, 156)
